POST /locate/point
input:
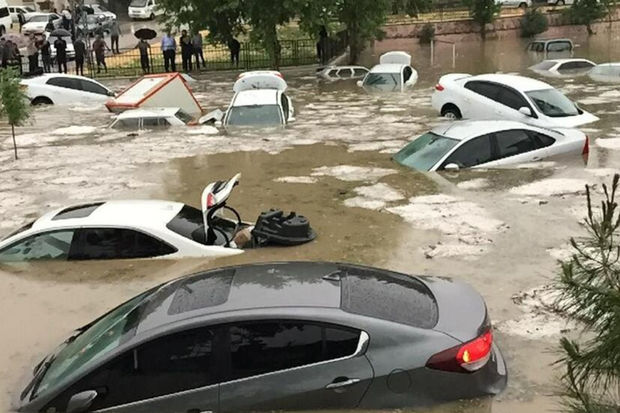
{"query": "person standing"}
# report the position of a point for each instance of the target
(197, 45)
(32, 51)
(100, 46)
(169, 48)
(46, 55)
(115, 33)
(49, 27)
(235, 48)
(4, 54)
(99, 30)
(144, 48)
(21, 19)
(61, 54)
(80, 53)
(186, 51)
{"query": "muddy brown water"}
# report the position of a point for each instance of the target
(501, 230)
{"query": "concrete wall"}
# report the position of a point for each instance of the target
(460, 30)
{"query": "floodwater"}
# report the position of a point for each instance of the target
(502, 231)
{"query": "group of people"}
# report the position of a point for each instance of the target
(191, 48)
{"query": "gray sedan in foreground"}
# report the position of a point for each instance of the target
(277, 336)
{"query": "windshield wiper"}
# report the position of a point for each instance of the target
(36, 381)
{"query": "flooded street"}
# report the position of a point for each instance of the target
(501, 230)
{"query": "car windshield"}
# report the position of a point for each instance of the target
(255, 115)
(137, 3)
(386, 82)
(183, 116)
(39, 19)
(424, 152)
(546, 65)
(103, 336)
(553, 103)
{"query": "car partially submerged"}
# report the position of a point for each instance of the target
(606, 72)
(64, 89)
(393, 74)
(335, 73)
(277, 337)
(563, 67)
(150, 229)
(151, 118)
(551, 46)
(489, 144)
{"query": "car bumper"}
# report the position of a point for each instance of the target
(138, 15)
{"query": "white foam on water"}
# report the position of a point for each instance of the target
(603, 172)
(476, 183)
(202, 130)
(297, 179)
(365, 202)
(536, 165)
(608, 143)
(74, 130)
(448, 250)
(551, 187)
(393, 145)
(379, 191)
(353, 173)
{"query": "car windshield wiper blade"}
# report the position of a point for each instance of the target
(36, 381)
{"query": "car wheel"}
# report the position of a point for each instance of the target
(450, 111)
(560, 3)
(523, 6)
(152, 16)
(41, 100)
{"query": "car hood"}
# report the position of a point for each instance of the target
(572, 121)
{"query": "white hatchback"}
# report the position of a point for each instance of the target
(393, 74)
(506, 97)
(63, 89)
(489, 144)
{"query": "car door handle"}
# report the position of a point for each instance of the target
(341, 384)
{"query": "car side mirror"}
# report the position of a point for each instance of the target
(525, 111)
(80, 402)
(112, 94)
(452, 167)
(360, 83)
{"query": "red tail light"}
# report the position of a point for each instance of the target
(465, 358)
(210, 200)
(438, 87)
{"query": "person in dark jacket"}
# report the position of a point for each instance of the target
(46, 56)
(197, 45)
(21, 19)
(61, 54)
(100, 46)
(80, 54)
(144, 48)
(4, 54)
(187, 50)
(49, 27)
(235, 48)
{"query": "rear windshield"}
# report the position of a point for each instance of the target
(388, 296)
(385, 82)
(255, 115)
(424, 152)
(189, 223)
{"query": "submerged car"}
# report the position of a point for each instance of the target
(63, 89)
(335, 73)
(489, 144)
(552, 46)
(143, 229)
(151, 117)
(393, 74)
(273, 337)
(606, 72)
(563, 67)
(506, 97)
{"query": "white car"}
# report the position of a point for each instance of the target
(393, 74)
(25, 10)
(99, 10)
(259, 100)
(70, 50)
(562, 67)
(606, 72)
(553, 46)
(144, 9)
(38, 21)
(522, 4)
(559, 2)
(488, 144)
(63, 89)
(5, 17)
(334, 73)
(151, 117)
(507, 97)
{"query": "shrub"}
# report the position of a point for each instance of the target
(427, 33)
(533, 22)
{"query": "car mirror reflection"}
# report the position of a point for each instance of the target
(82, 401)
(452, 167)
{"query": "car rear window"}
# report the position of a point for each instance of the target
(209, 291)
(189, 223)
(80, 211)
(388, 296)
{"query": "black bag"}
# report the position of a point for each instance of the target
(273, 227)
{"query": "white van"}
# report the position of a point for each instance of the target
(5, 17)
(143, 9)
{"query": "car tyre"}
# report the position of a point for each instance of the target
(560, 3)
(451, 112)
(523, 6)
(41, 100)
(152, 16)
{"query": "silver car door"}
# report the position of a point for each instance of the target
(516, 146)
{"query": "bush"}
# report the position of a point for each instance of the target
(533, 22)
(427, 33)
(586, 12)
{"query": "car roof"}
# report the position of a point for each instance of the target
(45, 76)
(256, 97)
(517, 82)
(464, 130)
(149, 112)
(566, 60)
(387, 68)
(123, 213)
(552, 40)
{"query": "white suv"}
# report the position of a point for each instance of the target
(5, 18)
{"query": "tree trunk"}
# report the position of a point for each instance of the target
(590, 31)
(14, 143)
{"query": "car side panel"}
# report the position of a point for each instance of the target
(203, 399)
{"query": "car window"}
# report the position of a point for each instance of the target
(255, 115)
(264, 347)
(53, 245)
(20, 229)
(66, 82)
(553, 103)
(92, 87)
(472, 153)
(4, 12)
(129, 123)
(385, 82)
(407, 72)
(166, 365)
(511, 98)
(486, 89)
(541, 140)
(514, 142)
(358, 72)
(425, 151)
(183, 116)
(155, 122)
(116, 243)
(575, 65)
(562, 46)
(332, 73)
(344, 73)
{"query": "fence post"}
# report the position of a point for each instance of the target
(432, 51)
(453, 55)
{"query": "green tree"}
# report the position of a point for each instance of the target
(589, 293)
(363, 20)
(586, 12)
(533, 22)
(410, 7)
(482, 12)
(13, 102)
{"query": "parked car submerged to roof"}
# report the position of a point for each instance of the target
(606, 72)
(334, 73)
(508, 97)
(151, 118)
(37, 22)
(488, 144)
(63, 89)
(277, 336)
(551, 46)
(563, 67)
(393, 74)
